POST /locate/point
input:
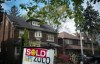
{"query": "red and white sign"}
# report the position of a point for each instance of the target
(38, 56)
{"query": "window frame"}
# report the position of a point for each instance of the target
(68, 41)
(50, 37)
(38, 34)
(35, 23)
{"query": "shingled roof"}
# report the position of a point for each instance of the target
(67, 35)
(20, 22)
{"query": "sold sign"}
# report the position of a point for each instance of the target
(38, 56)
(37, 52)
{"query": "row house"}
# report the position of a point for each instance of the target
(71, 46)
(12, 29)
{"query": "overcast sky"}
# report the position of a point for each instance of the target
(69, 26)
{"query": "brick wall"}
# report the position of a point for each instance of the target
(44, 36)
(7, 48)
(31, 35)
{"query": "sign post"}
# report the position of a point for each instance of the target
(38, 56)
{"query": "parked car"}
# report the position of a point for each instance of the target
(82, 58)
(95, 59)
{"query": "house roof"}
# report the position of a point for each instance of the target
(67, 36)
(34, 20)
(20, 22)
(54, 44)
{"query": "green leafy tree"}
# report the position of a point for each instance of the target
(25, 38)
(55, 11)
(91, 21)
(90, 24)
(14, 11)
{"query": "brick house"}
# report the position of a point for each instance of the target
(71, 45)
(12, 28)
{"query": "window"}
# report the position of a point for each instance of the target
(38, 35)
(68, 41)
(20, 34)
(78, 42)
(50, 37)
(35, 23)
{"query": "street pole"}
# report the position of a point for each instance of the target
(63, 46)
(81, 48)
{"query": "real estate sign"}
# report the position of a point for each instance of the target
(38, 56)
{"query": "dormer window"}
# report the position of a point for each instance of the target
(35, 23)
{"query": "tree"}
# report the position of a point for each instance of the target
(90, 24)
(49, 14)
(91, 20)
(14, 11)
(25, 38)
(55, 11)
(24, 16)
(94, 1)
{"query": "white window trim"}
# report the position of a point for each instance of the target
(38, 35)
(35, 23)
